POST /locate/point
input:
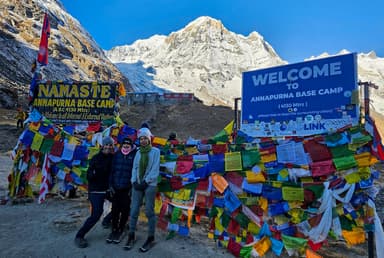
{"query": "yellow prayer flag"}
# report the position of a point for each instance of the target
(160, 141)
(190, 215)
(253, 177)
(353, 178)
(182, 194)
(121, 89)
(158, 205)
(77, 171)
(119, 121)
(192, 150)
(253, 228)
(354, 237)
(277, 184)
(233, 161)
(262, 246)
(263, 203)
(37, 141)
(73, 140)
(307, 179)
(92, 152)
(284, 173)
(34, 126)
(363, 159)
(229, 127)
(218, 225)
(115, 131)
(293, 193)
(268, 157)
(178, 152)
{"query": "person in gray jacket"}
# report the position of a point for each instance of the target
(145, 172)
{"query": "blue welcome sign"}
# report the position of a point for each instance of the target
(301, 99)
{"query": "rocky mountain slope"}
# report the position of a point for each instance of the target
(73, 53)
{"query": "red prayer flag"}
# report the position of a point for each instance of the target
(42, 56)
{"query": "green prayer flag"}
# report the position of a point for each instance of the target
(341, 151)
(175, 214)
(46, 146)
(345, 162)
(346, 224)
(246, 251)
(221, 136)
(242, 220)
(250, 158)
(294, 242)
(225, 219)
(213, 212)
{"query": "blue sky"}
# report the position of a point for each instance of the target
(296, 29)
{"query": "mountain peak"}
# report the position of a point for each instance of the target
(372, 54)
(203, 57)
(205, 22)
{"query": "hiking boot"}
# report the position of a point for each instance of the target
(148, 244)
(80, 242)
(117, 237)
(110, 237)
(130, 242)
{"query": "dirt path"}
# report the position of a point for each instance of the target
(47, 230)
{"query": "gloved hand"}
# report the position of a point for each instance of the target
(144, 185)
(110, 193)
(112, 190)
(140, 187)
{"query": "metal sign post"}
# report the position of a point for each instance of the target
(236, 119)
(366, 86)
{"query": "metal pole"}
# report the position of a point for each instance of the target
(236, 124)
(370, 244)
(366, 99)
(236, 119)
(366, 111)
(366, 86)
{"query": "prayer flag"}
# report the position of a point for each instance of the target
(42, 56)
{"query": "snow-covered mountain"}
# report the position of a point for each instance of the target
(371, 69)
(73, 53)
(204, 58)
(207, 59)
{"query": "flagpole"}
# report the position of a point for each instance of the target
(38, 64)
(42, 59)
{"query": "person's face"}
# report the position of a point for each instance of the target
(108, 148)
(144, 141)
(126, 146)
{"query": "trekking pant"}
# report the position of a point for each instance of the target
(20, 123)
(120, 209)
(97, 208)
(137, 200)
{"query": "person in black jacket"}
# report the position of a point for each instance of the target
(120, 186)
(98, 183)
